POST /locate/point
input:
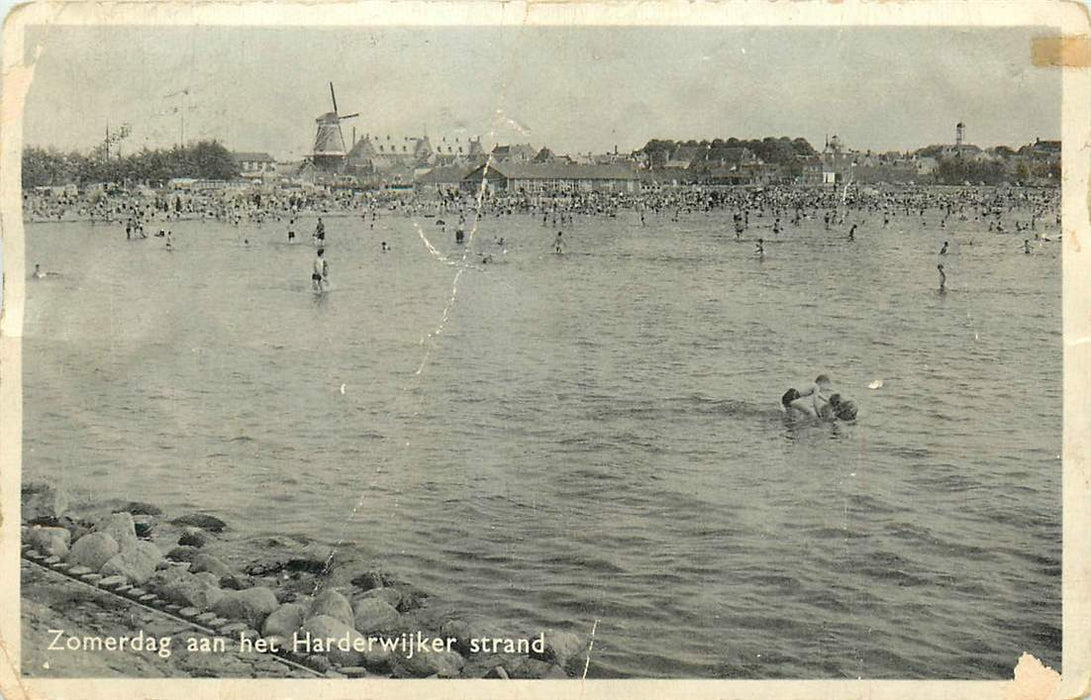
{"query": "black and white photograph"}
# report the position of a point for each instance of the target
(538, 352)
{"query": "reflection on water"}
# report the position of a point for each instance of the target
(594, 435)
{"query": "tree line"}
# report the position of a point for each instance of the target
(203, 160)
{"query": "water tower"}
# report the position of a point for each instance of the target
(960, 134)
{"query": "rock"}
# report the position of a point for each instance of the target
(120, 526)
(372, 579)
(193, 537)
(373, 615)
(252, 605)
(313, 559)
(51, 541)
(139, 508)
(203, 561)
(93, 550)
(183, 588)
(143, 525)
(427, 662)
(555, 672)
(529, 669)
(497, 672)
(330, 602)
(460, 631)
(558, 647)
(265, 567)
(201, 520)
(43, 501)
(183, 554)
(410, 598)
(234, 582)
(324, 626)
(136, 564)
(284, 621)
(321, 664)
(390, 596)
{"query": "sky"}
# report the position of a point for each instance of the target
(571, 89)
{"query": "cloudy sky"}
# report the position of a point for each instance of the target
(572, 89)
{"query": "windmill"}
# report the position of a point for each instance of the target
(329, 141)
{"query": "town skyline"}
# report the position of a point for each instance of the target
(268, 87)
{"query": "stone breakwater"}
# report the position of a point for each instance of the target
(335, 615)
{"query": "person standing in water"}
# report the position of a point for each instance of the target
(170, 240)
(760, 249)
(942, 279)
(943, 250)
(320, 276)
(558, 244)
(852, 233)
(1026, 246)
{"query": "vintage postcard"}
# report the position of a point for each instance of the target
(475, 349)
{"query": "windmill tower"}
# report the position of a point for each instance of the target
(329, 142)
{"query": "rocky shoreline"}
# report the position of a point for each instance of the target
(306, 605)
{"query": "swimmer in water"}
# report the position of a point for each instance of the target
(942, 279)
(943, 250)
(820, 393)
(385, 248)
(320, 275)
(38, 274)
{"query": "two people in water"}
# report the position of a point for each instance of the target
(819, 401)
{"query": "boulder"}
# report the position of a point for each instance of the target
(427, 662)
(139, 508)
(373, 615)
(137, 564)
(284, 621)
(323, 626)
(50, 541)
(559, 647)
(330, 602)
(313, 559)
(201, 520)
(119, 526)
(460, 631)
(193, 537)
(235, 582)
(144, 525)
(93, 550)
(188, 590)
(390, 596)
(251, 605)
(529, 669)
(372, 579)
(203, 561)
(183, 554)
(43, 501)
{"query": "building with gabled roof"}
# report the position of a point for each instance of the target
(552, 177)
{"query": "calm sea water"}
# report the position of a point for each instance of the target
(551, 440)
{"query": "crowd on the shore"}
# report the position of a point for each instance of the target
(791, 204)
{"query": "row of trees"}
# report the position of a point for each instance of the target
(207, 160)
(782, 150)
(955, 171)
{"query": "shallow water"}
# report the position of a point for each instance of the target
(594, 435)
